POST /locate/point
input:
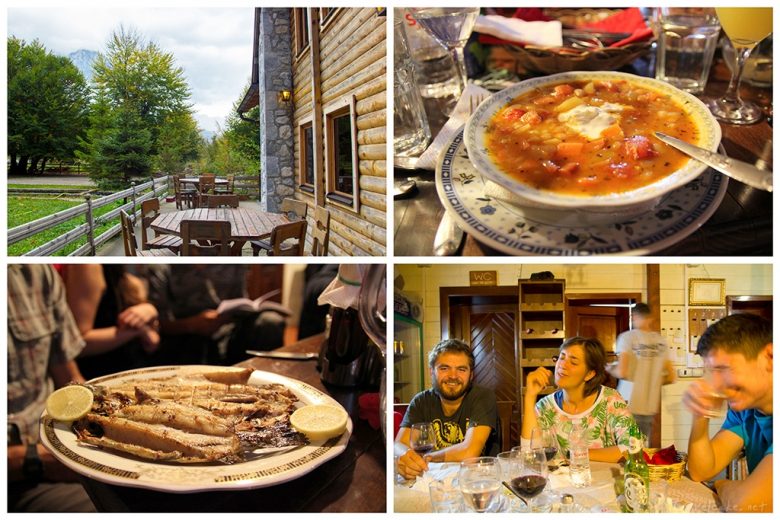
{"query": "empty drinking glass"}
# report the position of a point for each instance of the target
(452, 28)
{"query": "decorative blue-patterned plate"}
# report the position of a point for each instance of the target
(488, 213)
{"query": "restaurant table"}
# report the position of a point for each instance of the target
(196, 181)
(600, 496)
(245, 224)
(354, 481)
(741, 226)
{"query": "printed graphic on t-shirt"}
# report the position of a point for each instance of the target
(447, 433)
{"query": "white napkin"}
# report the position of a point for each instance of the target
(542, 34)
(458, 118)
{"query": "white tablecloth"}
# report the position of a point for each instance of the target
(599, 496)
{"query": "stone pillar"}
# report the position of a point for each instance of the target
(276, 119)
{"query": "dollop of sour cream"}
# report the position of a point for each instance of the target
(591, 120)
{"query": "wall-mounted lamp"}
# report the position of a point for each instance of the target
(284, 97)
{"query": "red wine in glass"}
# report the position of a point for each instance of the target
(528, 486)
(422, 449)
(550, 452)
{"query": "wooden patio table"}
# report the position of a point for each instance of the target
(741, 226)
(196, 181)
(354, 481)
(245, 224)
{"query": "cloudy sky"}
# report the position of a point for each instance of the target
(212, 45)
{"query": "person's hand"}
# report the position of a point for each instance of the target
(411, 464)
(54, 470)
(208, 322)
(137, 316)
(699, 399)
(150, 340)
(537, 380)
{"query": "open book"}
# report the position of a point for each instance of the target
(239, 307)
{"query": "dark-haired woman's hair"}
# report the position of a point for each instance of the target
(595, 359)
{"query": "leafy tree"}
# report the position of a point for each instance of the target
(125, 147)
(137, 84)
(237, 147)
(178, 143)
(47, 106)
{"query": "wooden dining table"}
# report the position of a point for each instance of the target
(741, 225)
(354, 481)
(196, 181)
(245, 223)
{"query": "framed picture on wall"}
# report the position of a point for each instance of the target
(707, 291)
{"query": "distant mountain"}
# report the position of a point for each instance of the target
(83, 59)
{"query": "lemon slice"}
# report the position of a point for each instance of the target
(69, 403)
(319, 421)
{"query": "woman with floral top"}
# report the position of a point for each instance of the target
(580, 401)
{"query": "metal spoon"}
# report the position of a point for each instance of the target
(514, 492)
(741, 171)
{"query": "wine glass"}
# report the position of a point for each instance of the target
(451, 27)
(745, 27)
(422, 438)
(530, 474)
(480, 483)
(546, 440)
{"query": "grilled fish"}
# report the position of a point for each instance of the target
(156, 441)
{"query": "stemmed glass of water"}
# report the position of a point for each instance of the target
(480, 483)
(451, 27)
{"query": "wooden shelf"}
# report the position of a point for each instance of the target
(543, 335)
(537, 363)
(540, 307)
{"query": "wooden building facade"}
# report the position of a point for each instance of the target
(337, 105)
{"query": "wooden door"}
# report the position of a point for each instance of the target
(489, 323)
(603, 323)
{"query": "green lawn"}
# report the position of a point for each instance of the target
(51, 186)
(26, 209)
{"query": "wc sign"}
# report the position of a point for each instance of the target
(477, 278)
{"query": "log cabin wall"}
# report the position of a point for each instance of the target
(341, 68)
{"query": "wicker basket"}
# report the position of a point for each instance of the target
(667, 471)
(550, 60)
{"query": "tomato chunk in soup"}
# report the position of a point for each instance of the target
(589, 137)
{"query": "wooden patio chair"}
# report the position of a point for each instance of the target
(294, 210)
(183, 195)
(150, 210)
(226, 189)
(205, 238)
(222, 201)
(128, 239)
(320, 234)
(286, 240)
(205, 188)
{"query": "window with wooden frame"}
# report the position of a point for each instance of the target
(341, 157)
(327, 14)
(306, 156)
(301, 23)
